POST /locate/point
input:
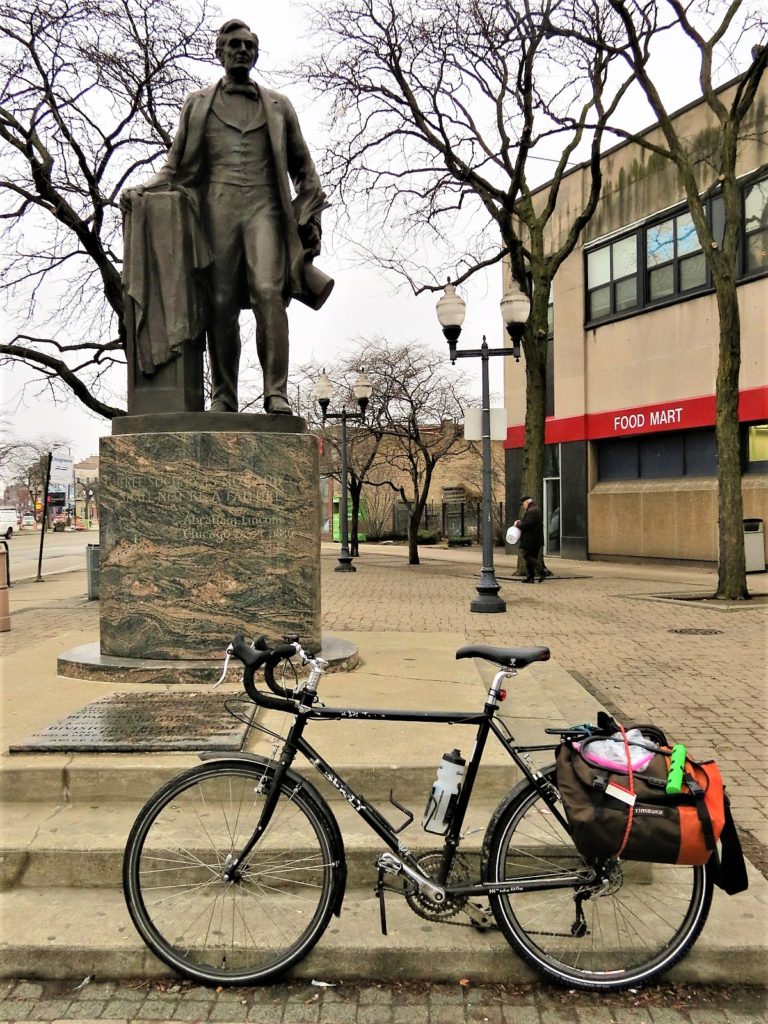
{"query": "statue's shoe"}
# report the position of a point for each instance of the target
(278, 406)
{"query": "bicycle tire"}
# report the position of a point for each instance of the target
(635, 928)
(208, 929)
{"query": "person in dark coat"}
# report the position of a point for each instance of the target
(531, 536)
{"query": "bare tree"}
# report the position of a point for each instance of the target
(713, 29)
(441, 115)
(89, 95)
(412, 422)
(422, 406)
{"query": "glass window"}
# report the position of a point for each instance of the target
(661, 455)
(687, 239)
(599, 267)
(757, 448)
(757, 250)
(599, 303)
(612, 278)
(700, 453)
(756, 226)
(693, 272)
(674, 258)
(661, 282)
(660, 243)
(624, 257)
(618, 460)
(756, 206)
(661, 261)
(626, 294)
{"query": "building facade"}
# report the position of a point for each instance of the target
(631, 458)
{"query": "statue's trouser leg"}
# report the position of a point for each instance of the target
(224, 216)
(265, 248)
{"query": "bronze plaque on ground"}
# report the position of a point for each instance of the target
(136, 722)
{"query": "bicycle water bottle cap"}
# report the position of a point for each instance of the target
(454, 757)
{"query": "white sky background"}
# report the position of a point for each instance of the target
(364, 302)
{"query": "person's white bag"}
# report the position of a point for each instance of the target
(513, 535)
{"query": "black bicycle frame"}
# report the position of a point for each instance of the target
(484, 720)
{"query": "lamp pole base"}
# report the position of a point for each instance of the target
(488, 599)
(345, 563)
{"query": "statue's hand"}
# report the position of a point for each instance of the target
(128, 195)
(310, 235)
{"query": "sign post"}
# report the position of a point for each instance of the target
(44, 517)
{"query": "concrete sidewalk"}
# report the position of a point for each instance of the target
(615, 643)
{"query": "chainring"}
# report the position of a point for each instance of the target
(422, 905)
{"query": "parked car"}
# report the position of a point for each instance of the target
(27, 519)
(8, 521)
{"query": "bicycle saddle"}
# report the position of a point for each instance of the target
(507, 657)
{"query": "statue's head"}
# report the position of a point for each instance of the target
(237, 48)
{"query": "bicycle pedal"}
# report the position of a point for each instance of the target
(480, 916)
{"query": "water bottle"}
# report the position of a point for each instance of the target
(445, 792)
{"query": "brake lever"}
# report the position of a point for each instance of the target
(227, 656)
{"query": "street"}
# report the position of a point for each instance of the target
(62, 552)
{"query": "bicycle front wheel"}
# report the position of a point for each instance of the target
(611, 934)
(210, 929)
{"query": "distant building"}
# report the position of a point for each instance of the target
(87, 489)
(631, 460)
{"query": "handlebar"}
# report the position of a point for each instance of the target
(258, 655)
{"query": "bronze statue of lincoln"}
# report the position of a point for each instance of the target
(237, 150)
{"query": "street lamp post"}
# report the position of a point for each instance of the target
(362, 389)
(515, 307)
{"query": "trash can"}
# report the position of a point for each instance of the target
(92, 570)
(754, 545)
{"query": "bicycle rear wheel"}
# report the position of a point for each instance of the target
(631, 928)
(212, 930)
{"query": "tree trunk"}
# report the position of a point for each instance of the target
(414, 519)
(731, 575)
(535, 347)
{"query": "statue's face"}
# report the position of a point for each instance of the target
(239, 53)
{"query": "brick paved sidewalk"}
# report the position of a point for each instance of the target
(376, 1004)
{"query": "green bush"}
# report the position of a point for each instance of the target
(460, 542)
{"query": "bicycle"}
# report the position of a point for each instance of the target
(233, 869)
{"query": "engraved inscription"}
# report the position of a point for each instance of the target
(204, 536)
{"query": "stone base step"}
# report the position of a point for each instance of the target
(80, 779)
(72, 933)
(81, 846)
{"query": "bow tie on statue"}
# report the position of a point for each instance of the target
(242, 89)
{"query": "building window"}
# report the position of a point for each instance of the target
(756, 227)
(757, 448)
(662, 261)
(658, 456)
(612, 279)
(674, 260)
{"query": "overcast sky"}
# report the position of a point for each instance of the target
(363, 303)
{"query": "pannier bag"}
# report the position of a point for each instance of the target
(614, 784)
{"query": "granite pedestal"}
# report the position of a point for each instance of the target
(205, 534)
